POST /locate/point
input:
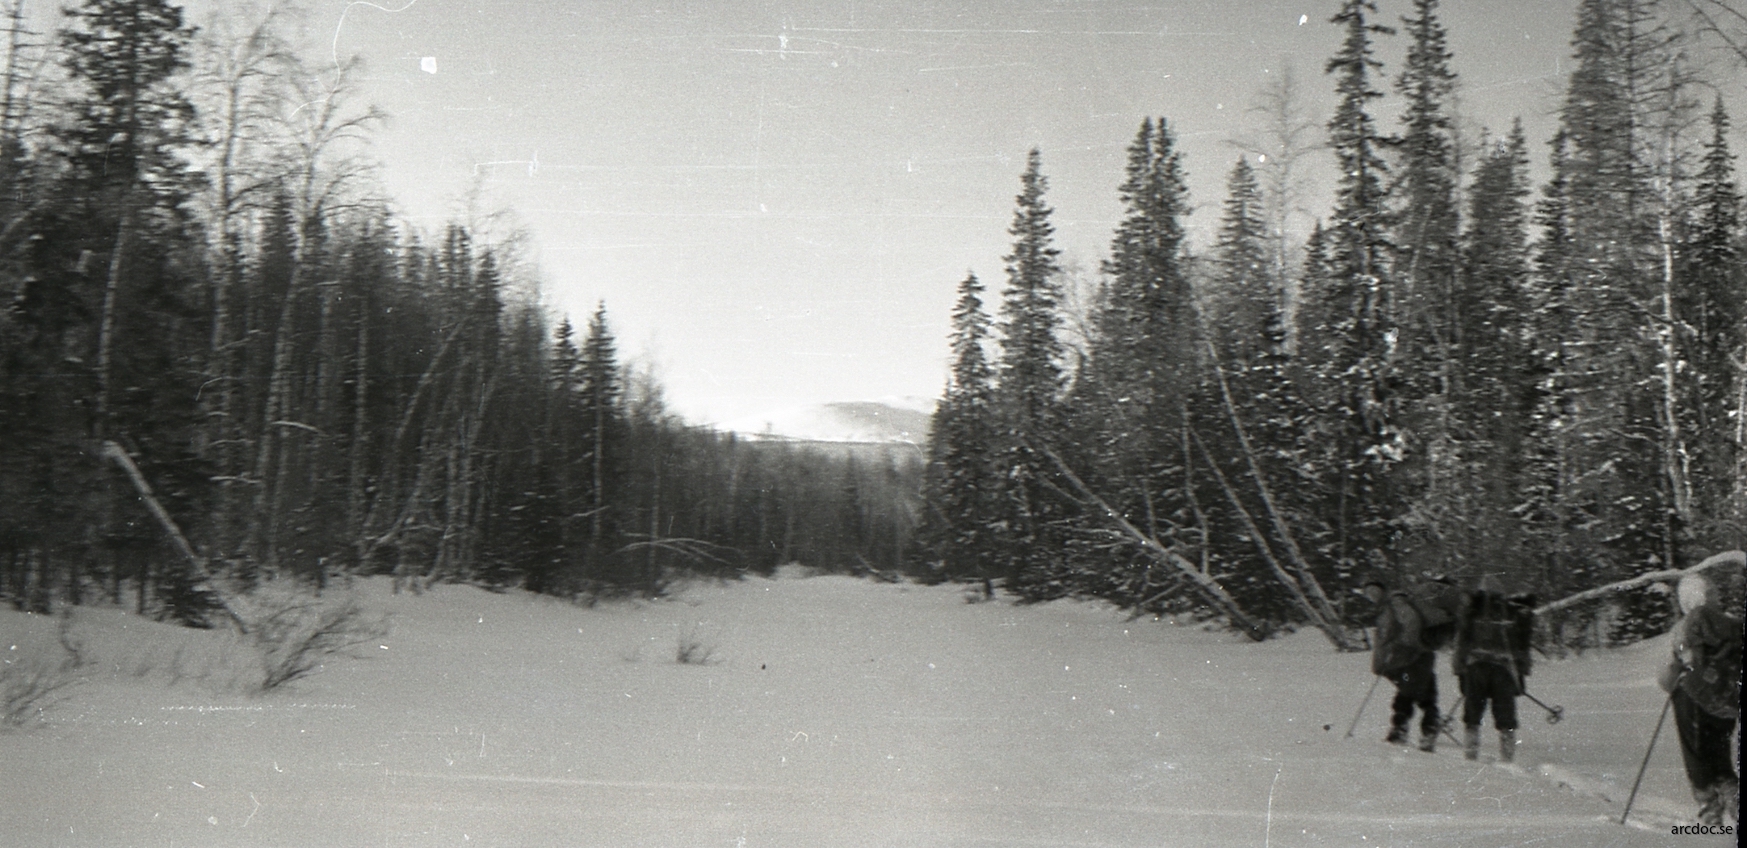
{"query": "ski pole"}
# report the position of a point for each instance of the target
(1448, 723)
(1646, 764)
(1554, 713)
(1355, 726)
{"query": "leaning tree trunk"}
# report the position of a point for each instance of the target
(1329, 625)
(1209, 587)
(115, 454)
(261, 540)
(1314, 588)
(390, 476)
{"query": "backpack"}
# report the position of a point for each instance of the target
(1394, 651)
(1498, 630)
(1711, 639)
(1439, 604)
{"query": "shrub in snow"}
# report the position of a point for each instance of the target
(693, 650)
(29, 686)
(34, 678)
(295, 631)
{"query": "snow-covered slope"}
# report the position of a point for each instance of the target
(831, 712)
(883, 420)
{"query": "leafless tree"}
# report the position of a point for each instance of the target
(1288, 132)
(1724, 20)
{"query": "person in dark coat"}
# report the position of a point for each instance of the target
(1399, 655)
(1491, 662)
(1704, 684)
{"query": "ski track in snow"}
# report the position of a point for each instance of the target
(831, 712)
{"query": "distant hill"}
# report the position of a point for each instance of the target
(888, 420)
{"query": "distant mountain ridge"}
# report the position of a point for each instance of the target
(886, 420)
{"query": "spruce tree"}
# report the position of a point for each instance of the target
(963, 442)
(1131, 395)
(1359, 302)
(1614, 451)
(600, 411)
(1426, 223)
(1151, 323)
(521, 521)
(1427, 260)
(1243, 325)
(1279, 427)
(1489, 405)
(1544, 481)
(110, 307)
(1713, 309)
(1031, 376)
(1248, 300)
(1031, 383)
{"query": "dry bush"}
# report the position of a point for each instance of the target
(694, 650)
(294, 632)
(29, 686)
(36, 678)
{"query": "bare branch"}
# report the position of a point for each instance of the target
(1735, 42)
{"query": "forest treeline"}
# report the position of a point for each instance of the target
(1458, 373)
(224, 360)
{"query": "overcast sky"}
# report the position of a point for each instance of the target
(776, 199)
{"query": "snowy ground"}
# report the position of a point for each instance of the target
(832, 712)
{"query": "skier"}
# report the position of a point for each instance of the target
(1491, 661)
(1399, 655)
(1704, 685)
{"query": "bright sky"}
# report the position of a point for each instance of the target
(776, 199)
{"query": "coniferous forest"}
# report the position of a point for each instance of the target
(1457, 373)
(225, 360)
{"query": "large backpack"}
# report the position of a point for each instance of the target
(1711, 635)
(1498, 630)
(1438, 604)
(1712, 639)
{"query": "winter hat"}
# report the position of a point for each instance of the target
(1728, 582)
(1691, 592)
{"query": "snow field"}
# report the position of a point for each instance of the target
(831, 712)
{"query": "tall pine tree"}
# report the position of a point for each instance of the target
(1618, 498)
(1132, 396)
(1247, 298)
(1031, 382)
(1355, 346)
(963, 441)
(1489, 403)
(1713, 309)
(600, 416)
(112, 303)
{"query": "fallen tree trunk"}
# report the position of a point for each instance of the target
(1310, 584)
(114, 453)
(1672, 575)
(1210, 587)
(1330, 627)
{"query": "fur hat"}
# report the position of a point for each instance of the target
(1719, 581)
(1691, 592)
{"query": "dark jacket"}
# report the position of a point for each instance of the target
(1397, 644)
(1494, 629)
(1707, 660)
